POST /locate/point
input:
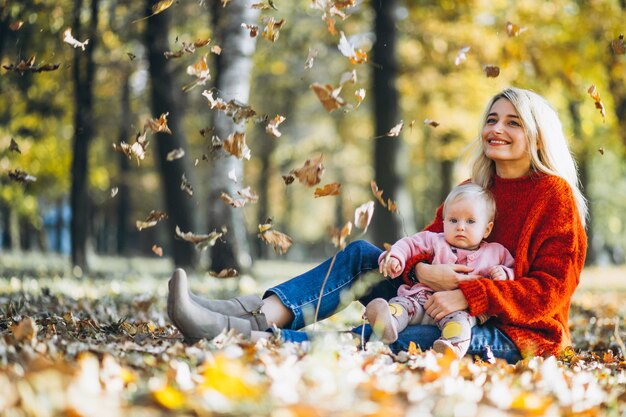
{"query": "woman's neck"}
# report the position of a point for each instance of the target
(512, 170)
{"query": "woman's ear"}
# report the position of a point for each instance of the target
(488, 230)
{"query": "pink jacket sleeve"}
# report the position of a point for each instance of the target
(410, 246)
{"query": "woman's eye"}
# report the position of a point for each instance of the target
(514, 123)
(490, 121)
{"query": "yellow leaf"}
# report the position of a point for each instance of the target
(230, 378)
(161, 6)
(169, 397)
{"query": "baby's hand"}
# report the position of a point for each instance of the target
(390, 267)
(497, 273)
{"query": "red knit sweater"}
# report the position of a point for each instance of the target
(538, 222)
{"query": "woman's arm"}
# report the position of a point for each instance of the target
(443, 277)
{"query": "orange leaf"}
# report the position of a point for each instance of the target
(338, 237)
(310, 173)
(157, 250)
(279, 240)
(328, 190)
(235, 145)
(514, 30)
(328, 96)
(596, 98)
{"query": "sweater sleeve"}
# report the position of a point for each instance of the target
(547, 266)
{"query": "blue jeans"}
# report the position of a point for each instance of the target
(346, 283)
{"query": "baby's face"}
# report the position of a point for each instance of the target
(465, 223)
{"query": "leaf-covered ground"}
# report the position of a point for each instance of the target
(104, 346)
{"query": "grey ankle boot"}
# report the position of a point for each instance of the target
(247, 307)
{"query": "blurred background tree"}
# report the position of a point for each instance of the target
(558, 48)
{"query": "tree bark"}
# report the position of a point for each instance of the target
(179, 204)
(123, 196)
(83, 72)
(387, 226)
(233, 67)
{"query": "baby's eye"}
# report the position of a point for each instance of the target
(471, 221)
(453, 220)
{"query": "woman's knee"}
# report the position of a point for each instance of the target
(363, 247)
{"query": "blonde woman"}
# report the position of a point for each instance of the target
(523, 159)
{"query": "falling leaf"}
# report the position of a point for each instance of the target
(429, 122)
(328, 96)
(158, 125)
(232, 175)
(29, 65)
(601, 150)
(175, 154)
(363, 215)
(356, 56)
(279, 240)
(392, 206)
(514, 30)
(224, 273)
(308, 64)
(272, 28)
(161, 6)
(200, 241)
(14, 147)
(68, 38)
(395, 131)
(15, 26)
(201, 71)
(137, 149)
(157, 250)
(254, 29)
(288, 179)
(248, 196)
(389, 204)
(338, 237)
(20, 176)
(360, 96)
(310, 173)
(413, 349)
(618, 45)
(328, 190)
(185, 185)
(131, 56)
(187, 48)
(216, 49)
(235, 145)
(153, 218)
(260, 6)
(596, 98)
(347, 77)
(114, 191)
(491, 71)
(272, 125)
(461, 56)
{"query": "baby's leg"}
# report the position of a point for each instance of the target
(386, 319)
(456, 332)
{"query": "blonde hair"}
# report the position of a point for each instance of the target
(547, 146)
(475, 191)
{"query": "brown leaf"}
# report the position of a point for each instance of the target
(429, 122)
(363, 215)
(29, 65)
(232, 202)
(14, 147)
(235, 145)
(618, 45)
(328, 96)
(185, 185)
(25, 331)
(248, 196)
(514, 30)
(15, 26)
(272, 28)
(175, 154)
(328, 190)
(137, 149)
(279, 240)
(200, 241)
(153, 218)
(310, 173)
(272, 125)
(20, 176)
(338, 237)
(378, 193)
(158, 125)
(601, 150)
(491, 71)
(254, 29)
(158, 251)
(289, 179)
(596, 98)
(224, 273)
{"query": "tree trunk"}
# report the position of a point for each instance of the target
(179, 204)
(123, 194)
(84, 72)
(387, 226)
(234, 67)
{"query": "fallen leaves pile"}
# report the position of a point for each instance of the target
(116, 353)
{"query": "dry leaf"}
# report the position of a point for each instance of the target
(328, 96)
(363, 215)
(254, 29)
(392, 206)
(514, 30)
(224, 273)
(395, 131)
(601, 150)
(618, 45)
(15, 26)
(68, 38)
(231, 201)
(360, 96)
(14, 147)
(378, 193)
(260, 6)
(328, 190)
(461, 56)
(248, 196)
(216, 49)
(356, 56)
(429, 122)
(201, 71)
(338, 237)
(153, 218)
(491, 71)
(137, 149)
(308, 64)
(279, 240)
(235, 145)
(185, 185)
(200, 241)
(310, 173)
(157, 250)
(272, 28)
(114, 191)
(161, 6)
(596, 98)
(20, 176)
(272, 125)
(25, 331)
(158, 125)
(175, 154)
(29, 65)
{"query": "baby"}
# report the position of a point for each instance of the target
(468, 215)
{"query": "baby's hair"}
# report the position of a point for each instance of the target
(472, 190)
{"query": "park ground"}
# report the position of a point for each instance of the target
(102, 344)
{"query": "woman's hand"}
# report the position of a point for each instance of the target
(442, 303)
(443, 277)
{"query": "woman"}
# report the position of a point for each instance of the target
(524, 160)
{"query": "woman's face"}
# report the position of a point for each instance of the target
(504, 141)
